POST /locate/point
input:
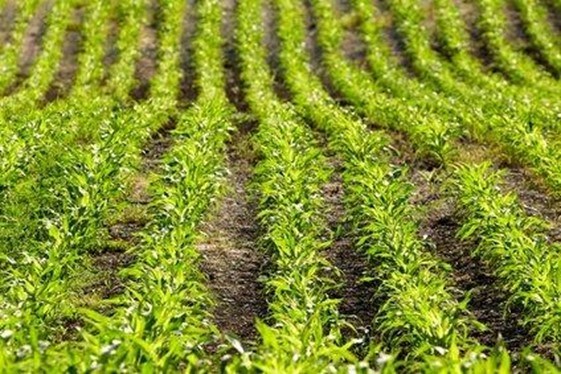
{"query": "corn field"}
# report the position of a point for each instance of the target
(280, 186)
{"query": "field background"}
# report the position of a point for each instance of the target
(280, 186)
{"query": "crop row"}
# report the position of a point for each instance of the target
(67, 168)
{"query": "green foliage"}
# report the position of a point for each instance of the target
(515, 245)
(303, 334)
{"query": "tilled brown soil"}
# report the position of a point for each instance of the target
(188, 85)
(31, 45)
(356, 293)
(232, 259)
(68, 66)
(535, 200)
(147, 63)
(7, 15)
(470, 275)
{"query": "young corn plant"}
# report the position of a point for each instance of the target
(417, 299)
(432, 136)
(303, 332)
(162, 321)
(514, 245)
(9, 53)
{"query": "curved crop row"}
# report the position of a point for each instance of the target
(513, 101)
(431, 135)
(540, 33)
(515, 246)
(55, 205)
(492, 24)
(10, 53)
(419, 311)
(45, 66)
(162, 321)
(304, 332)
(121, 81)
(454, 40)
(492, 121)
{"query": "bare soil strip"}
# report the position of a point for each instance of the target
(392, 37)
(469, 13)
(273, 45)
(146, 64)
(515, 29)
(31, 47)
(312, 46)
(231, 257)
(33, 39)
(553, 16)
(487, 302)
(354, 48)
(188, 87)
(234, 84)
(440, 225)
(123, 234)
(68, 66)
(111, 51)
(108, 263)
(356, 292)
(357, 304)
(7, 16)
(535, 200)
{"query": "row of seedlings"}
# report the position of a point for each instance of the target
(520, 68)
(453, 39)
(426, 130)
(11, 52)
(409, 17)
(39, 210)
(515, 246)
(21, 104)
(540, 33)
(311, 100)
(44, 68)
(517, 136)
(162, 321)
(419, 313)
(303, 331)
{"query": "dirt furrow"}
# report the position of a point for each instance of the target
(68, 66)
(111, 50)
(488, 301)
(392, 37)
(231, 257)
(357, 289)
(353, 46)
(272, 42)
(146, 64)
(440, 225)
(535, 200)
(189, 90)
(7, 16)
(131, 219)
(32, 42)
